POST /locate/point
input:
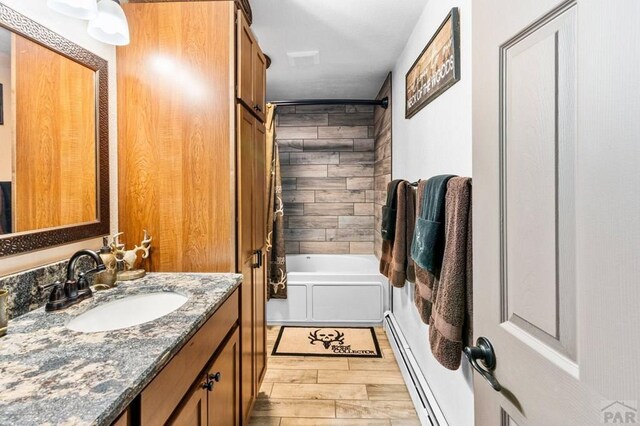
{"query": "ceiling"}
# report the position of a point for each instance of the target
(358, 42)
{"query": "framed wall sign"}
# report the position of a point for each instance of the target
(437, 67)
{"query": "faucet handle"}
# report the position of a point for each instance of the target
(57, 298)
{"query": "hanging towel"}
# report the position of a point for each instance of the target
(389, 211)
(5, 208)
(387, 244)
(2, 214)
(396, 263)
(426, 282)
(450, 318)
(428, 244)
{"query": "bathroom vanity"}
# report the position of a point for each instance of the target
(177, 369)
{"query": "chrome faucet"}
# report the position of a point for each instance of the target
(73, 290)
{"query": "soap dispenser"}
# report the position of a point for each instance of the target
(107, 278)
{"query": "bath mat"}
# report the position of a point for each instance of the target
(327, 341)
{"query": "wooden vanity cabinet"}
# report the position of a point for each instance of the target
(214, 399)
(191, 159)
(251, 70)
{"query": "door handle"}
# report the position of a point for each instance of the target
(258, 264)
(484, 352)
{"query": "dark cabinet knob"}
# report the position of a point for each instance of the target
(215, 377)
(208, 385)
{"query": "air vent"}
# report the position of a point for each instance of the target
(304, 59)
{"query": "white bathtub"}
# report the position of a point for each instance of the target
(331, 289)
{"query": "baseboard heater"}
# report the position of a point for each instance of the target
(423, 399)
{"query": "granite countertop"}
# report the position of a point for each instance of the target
(50, 375)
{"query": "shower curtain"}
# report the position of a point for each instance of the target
(276, 253)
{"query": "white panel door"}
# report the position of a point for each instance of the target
(556, 156)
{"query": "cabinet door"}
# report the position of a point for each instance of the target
(224, 398)
(193, 411)
(245, 55)
(245, 167)
(260, 329)
(259, 186)
(259, 81)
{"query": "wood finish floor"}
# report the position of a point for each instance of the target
(320, 391)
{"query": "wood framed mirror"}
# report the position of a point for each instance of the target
(54, 138)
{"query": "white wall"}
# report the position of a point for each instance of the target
(76, 31)
(437, 140)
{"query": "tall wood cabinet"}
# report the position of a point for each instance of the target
(191, 157)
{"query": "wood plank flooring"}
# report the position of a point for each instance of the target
(318, 391)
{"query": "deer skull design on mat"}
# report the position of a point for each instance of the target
(326, 337)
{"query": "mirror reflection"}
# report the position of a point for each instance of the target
(48, 138)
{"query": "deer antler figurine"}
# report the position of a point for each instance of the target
(130, 257)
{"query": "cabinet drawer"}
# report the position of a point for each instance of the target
(159, 399)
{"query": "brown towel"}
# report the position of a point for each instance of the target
(450, 324)
(405, 220)
(426, 282)
(3, 219)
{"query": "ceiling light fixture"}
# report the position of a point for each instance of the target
(110, 24)
(81, 9)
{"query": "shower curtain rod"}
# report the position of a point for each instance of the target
(384, 102)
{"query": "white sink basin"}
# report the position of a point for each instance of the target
(127, 312)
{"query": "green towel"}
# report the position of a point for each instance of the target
(427, 247)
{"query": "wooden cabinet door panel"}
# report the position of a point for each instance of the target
(260, 329)
(259, 186)
(244, 61)
(193, 411)
(245, 166)
(224, 399)
(247, 375)
(259, 82)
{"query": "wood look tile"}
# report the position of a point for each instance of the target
(298, 196)
(367, 145)
(304, 234)
(357, 157)
(321, 183)
(349, 234)
(351, 119)
(285, 145)
(319, 170)
(308, 363)
(328, 157)
(289, 184)
(373, 364)
(289, 133)
(303, 119)
(313, 222)
(360, 377)
(340, 196)
(355, 222)
(341, 132)
(360, 183)
(293, 408)
(293, 209)
(350, 170)
(360, 108)
(388, 392)
(363, 209)
(320, 108)
(405, 422)
(333, 422)
(319, 391)
(265, 421)
(328, 209)
(375, 409)
(361, 247)
(265, 390)
(334, 144)
(274, 375)
(292, 247)
(324, 247)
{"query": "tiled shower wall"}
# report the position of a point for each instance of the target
(327, 157)
(382, 167)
